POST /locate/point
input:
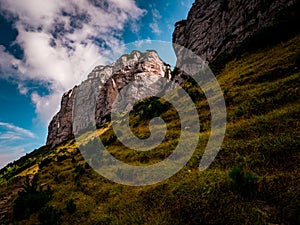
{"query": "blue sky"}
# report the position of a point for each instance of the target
(46, 47)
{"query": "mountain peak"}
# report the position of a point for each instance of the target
(104, 83)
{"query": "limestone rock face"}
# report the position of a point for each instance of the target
(133, 77)
(60, 127)
(214, 27)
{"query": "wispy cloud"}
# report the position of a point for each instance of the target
(155, 28)
(186, 3)
(155, 24)
(11, 131)
(140, 43)
(10, 154)
(60, 41)
(156, 14)
(13, 141)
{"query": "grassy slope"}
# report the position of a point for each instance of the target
(262, 142)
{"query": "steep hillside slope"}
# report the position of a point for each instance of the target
(254, 180)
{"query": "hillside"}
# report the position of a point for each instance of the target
(254, 179)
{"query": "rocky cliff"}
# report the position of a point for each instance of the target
(214, 27)
(106, 82)
(60, 127)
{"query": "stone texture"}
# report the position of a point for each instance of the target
(214, 27)
(98, 92)
(60, 127)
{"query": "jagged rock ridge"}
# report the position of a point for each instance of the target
(216, 27)
(107, 82)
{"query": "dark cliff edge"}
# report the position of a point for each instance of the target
(218, 31)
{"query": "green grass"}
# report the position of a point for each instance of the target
(253, 180)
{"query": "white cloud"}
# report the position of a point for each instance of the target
(11, 153)
(154, 25)
(8, 63)
(186, 3)
(23, 90)
(13, 141)
(156, 14)
(12, 131)
(155, 28)
(44, 104)
(140, 43)
(61, 40)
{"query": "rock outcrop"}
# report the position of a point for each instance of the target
(60, 127)
(104, 83)
(213, 27)
(216, 27)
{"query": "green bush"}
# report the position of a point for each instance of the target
(151, 107)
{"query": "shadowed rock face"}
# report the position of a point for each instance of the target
(60, 127)
(103, 84)
(214, 27)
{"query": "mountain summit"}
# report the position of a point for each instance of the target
(106, 82)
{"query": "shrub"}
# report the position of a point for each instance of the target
(79, 170)
(73, 160)
(49, 216)
(30, 199)
(45, 162)
(109, 140)
(61, 157)
(11, 171)
(54, 174)
(3, 182)
(243, 182)
(64, 150)
(151, 107)
(70, 206)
